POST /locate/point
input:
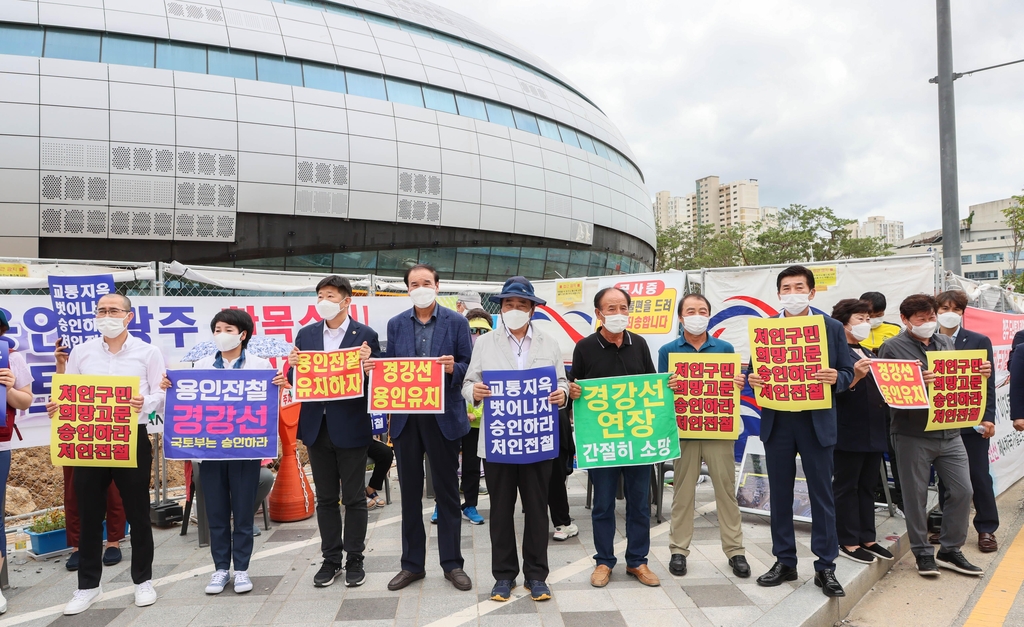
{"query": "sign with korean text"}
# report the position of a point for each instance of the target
(407, 385)
(221, 414)
(569, 292)
(824, 277)
(74, 301)
(707, 399)
(958, 396)
(378, 424)
(95, 425)
(786, 353)
(901, 383)
(520, 426)
(650, 307)
(625, 421)
(328, 376)
(13, 269)
(5, 362)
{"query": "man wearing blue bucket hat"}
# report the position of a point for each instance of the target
(516, 345)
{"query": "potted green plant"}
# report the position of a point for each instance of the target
(47, 533)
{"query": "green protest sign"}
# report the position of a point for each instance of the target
(625, 421)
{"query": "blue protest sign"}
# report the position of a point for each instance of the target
(74, 301)
(221, 414)
(379, 423)
(5, 362)
(520, 426)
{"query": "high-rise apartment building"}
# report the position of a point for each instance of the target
(713, 203)
(891, 231)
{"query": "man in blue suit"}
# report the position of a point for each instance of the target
(812, 435)
(337, 435)
(429, 330)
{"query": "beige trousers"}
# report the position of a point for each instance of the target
(718, 454)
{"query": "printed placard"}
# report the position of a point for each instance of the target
(786, 353)
(520, 426)
(221, 414)
(74, 301)
(328, 375)
(707, 399)
(958, 396)
(901, 383)
(406, 385)
(651, 306)
(378, 424)
(569, 293)
(95, 425)
(625, 421)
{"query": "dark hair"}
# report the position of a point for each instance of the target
(957, 297)
(480, 314)
(795, 271)
(4, 325)
(845, 308)
(237, 318)
(601, 293)
(875, 299)
(918, 303)
(125, 301)
(679, 307)
(422, 266)
(339, 283)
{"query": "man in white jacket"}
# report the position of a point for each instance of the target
(516, 345)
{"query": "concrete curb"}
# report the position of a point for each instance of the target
(808, 607)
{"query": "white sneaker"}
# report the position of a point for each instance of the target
(242, 582)
(3, 604)
(218, 580)
(82, 600)
(564, 532)
(145, 594)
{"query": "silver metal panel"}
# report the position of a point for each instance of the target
(204, 133)
(460, 163)
(19, 220)
(74, 123)
(461, 188)
(313, 50)
(498, 194)
(141, 224)
(557, 227)
(71, 92)
(19, 88)
(371, 125)
(18, 151)
(255, 40)
(263, 168)
(557, 182)
(141, 127)
(499, 170)
(19, 119)
(418, 157)
(372, 206)
(529, 176)
(529, 223)
(142, 98)
(330, 146)
(263, 138)
(374, 178)
(137, 24)
(70, 221)
(264, 198)
(501, 219)
(71, 16)
(464, 215)
(369, 150)
(19, 11)
(265, 111)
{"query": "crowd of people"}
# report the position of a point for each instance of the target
(841, 448)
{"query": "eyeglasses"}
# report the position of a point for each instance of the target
(113, 311)
(474, 331)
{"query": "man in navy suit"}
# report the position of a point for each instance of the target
(986, 515)
(337, 435)
(429, 330)
(812, 435)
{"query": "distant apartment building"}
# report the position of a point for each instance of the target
(712, 203)
(891, 231)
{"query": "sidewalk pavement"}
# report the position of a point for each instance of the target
(286, 558)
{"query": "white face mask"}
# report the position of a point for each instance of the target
(110, 327)
(423, 297)
(616, 323)
(695, 325)
(795, 304)
(515, 319)
(950, 319)
(877, 322)
(227, 341)
(860, 332)
(924, 331)
(328, 309)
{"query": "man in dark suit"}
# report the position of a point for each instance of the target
(429, 330)
(812, 435)
(337, 435)
(986, 515)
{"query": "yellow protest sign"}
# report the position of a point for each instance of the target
(569, 293)
(958, 395)
(824, 277)
(94, 424)
(786, 353)
(707, 402)
(13, 269)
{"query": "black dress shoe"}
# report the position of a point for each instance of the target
(826, 580)
(778, 574)
(459, 579)
(740, 567)
(72, 563)
(403, 579)
(111, 556)
(677, 565)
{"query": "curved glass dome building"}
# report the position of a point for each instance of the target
(356, 136)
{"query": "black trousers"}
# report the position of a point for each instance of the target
(986, 514)
(382, 456)
(230, 489)
(558, 497)
(91, 484)
(531, 482)
(422, 436)
(335, 467)
(853, 485)
(470, 469)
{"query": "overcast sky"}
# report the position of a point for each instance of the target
(824, 103)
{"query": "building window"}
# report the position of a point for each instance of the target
(233, 63)
(403, 92)
(23, 40)
(990, 257)
(471, 107)
(128, 51)
(965, 259)
(279, 70)
(171, 55)
(323, 77)
(439, 100)
(982, 276)
(73, 45)
(367, 85)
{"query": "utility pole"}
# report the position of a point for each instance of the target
(947, 142)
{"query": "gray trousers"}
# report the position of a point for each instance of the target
(914, 458)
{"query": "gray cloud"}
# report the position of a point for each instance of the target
(824, 103)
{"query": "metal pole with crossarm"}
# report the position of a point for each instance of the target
(947, 143)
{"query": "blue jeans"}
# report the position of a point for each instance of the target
(636, 482)
(5, 470)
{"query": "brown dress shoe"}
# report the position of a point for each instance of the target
(403, 579)
(600, 576)
(644, 575)
(459, 579)
(987, 543)
(933, 538)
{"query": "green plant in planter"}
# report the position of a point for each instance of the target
(52, 520)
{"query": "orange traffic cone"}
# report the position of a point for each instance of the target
(292, 497)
